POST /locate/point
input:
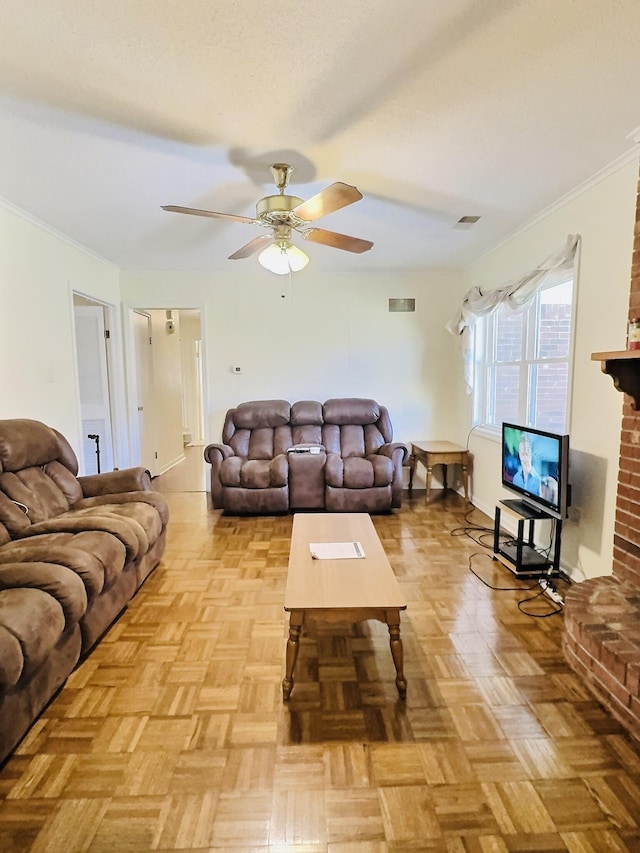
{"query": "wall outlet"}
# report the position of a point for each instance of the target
(236, 370)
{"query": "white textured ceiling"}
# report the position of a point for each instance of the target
(434, 109)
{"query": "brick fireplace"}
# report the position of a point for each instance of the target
(602, 616)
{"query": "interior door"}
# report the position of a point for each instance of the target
(145, 387)
(93, 378)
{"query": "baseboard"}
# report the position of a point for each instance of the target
(172, 464)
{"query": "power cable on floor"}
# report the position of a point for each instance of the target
(496, 588)
(537, 615)
(468, 529)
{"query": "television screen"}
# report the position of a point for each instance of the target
(535, 466)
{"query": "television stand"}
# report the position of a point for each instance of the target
(521, 557)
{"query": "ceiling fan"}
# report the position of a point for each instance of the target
(282, 214)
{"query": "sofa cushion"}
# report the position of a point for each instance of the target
(255, 473)
(137, 513)
(137, 524)
(129, 532)
(36, 491)
(14, 517)
(59, 582)
(154, 499)
(351, 410)
(307, 435)
(26, 443)
(261, 413)
(352, 439)
(65, 480)
(306, 413)
(262, 442)
(348, 441)
(36, 620)
(11, 659)
(358, 473)
(95, 556)
(141, 520)
(383, 470)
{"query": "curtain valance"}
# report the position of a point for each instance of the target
(515, 295)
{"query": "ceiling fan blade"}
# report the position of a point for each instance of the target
(173, 208)
(252, 247)
(332, 198)
(337, 241)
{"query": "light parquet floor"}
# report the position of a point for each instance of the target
(173, 735)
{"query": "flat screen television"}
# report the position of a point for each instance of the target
(535, 465)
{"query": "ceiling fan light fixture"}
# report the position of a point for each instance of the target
(282, 258)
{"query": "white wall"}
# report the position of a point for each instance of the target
(603, 214)
(330, 336)
(38, 271)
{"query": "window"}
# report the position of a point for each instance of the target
(522, 362)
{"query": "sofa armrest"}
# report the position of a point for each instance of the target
(392, 450)
(115, 482)
(399, 453)
(215, 454)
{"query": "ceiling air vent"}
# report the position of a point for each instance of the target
(466, 222)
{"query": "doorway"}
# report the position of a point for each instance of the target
(169, 379)
(92, 338)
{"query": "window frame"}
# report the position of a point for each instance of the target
(485, 361)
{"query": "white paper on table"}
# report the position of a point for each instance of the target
(336, 550)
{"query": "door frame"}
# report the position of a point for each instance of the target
(131, 380)
(116, 387)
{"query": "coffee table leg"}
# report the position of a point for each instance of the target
(397, 653)
(296, 619)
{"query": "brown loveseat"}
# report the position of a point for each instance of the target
(73, 552)
(276, 456)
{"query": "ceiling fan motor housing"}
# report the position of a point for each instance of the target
(276, 209)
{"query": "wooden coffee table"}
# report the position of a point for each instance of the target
(339, 590)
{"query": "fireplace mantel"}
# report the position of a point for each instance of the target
(624, 368)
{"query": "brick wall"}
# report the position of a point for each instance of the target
(626, 557)
(602, 616)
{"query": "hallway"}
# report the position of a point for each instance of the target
(190, 475)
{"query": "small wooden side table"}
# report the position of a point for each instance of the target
(443, 453)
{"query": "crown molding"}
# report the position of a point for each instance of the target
(44, 226)
(576, 192)
(634, 136)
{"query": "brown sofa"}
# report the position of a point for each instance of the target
(279, 457)
(73, 552)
